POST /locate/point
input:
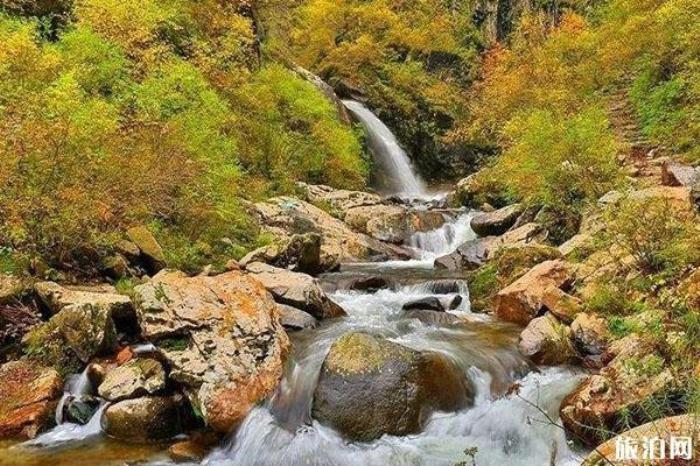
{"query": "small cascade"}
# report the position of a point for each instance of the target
(388, 154)
(77, 387)
(444, 240)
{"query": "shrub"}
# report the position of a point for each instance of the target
(659, 234)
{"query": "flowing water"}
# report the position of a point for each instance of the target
(391, 159)
(505, 426)
(505, 429)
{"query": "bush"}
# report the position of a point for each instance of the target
(660, 235)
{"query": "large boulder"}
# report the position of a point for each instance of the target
(497, 222)
(620, 395)
(138, 377)
(287, 216)
(525, 299)
(392, 223)
(151, 252)
(547, 341)
(28, 397)
(295, 289)
(146, 419)
(299, 253)
(369, 387)
(220, 336)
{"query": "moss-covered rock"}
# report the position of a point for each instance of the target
(151, 251)
(146, 419)
(369, 387)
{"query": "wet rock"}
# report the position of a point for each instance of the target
(287, 216)
(469, 256)
(151, 252)
(300, 253)
(679, 174)
(590, 334)
(664, 429)
(497, 222)
(28, 397)
(295, 289)
(617, 396)
(523, 300)
(369, 387)
(144, 420)
(474, 253)
(430, 303)
(221, 338)
(546, 341)
(80, 410)
(367, 283)
(138, 377)
(455, 303)
(437, 319)
(295, 319)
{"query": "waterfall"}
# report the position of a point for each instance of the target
(388, 154)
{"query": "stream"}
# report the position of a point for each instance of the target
(504, 426)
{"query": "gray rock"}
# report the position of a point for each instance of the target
(678, 174)
(546, 341)
(295, 319)
(428, 304)
(498, 222)
(295, 289)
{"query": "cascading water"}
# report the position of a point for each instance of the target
(283, 431)
(77, 387)
(388, 154)
(503, 428)
(444, 240)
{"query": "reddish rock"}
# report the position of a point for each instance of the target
(221, 338)
(28, 397)
(524, 299)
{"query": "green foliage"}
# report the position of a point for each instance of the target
(659, 234)
(412, 59)
(153, 113)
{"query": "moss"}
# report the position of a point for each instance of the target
(360, 353)
(45, 344)
(174, 343)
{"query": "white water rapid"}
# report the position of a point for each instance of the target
(388, 154)
(505, 429)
